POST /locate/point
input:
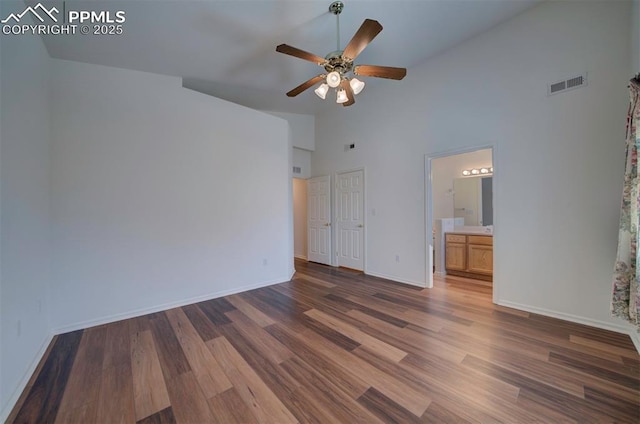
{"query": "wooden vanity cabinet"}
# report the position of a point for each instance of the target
(480, 255)
(469, 255)
(455, 252)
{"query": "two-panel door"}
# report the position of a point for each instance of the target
(319, 220)
(350, 219)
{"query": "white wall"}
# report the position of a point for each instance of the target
(161, 195)
(635, 37)
(300, 218)
(24, 211)
(444, 170)
(302, 129)
(302, 133)
(558, 160)
(302, 159)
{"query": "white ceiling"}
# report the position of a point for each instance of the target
(227, 48)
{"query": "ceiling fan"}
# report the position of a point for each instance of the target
(338, 64)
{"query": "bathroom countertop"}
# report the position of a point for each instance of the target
(469, 233)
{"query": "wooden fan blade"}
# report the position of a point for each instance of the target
(380, 71)
(367, 32)
(299, 89)
(350, 96)
(301, 54)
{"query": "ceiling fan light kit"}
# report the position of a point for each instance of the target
(321, 91)
(341, 96)
(339, 64)
(356, 85)
(334, 79)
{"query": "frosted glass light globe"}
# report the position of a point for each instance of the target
(341, 97)
(322, 91)
(356, 85)
(333, 79)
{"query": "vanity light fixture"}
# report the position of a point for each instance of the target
(478, 171)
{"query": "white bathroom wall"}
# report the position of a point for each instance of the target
(25, 249)
(444, 170)
(558, 159)
(161, 195)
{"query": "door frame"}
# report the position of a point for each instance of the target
(334, 236)
(429, 208)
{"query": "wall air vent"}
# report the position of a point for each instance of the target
(297, 170)
(566, 85)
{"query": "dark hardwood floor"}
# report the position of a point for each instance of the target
(337, 346)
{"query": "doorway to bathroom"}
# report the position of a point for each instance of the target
(460, 217)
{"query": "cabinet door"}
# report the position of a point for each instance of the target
(480, 259)
(455, 256)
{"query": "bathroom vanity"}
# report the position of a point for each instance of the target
(469, 255)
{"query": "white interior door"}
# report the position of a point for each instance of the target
(319, 219)
(350, 219)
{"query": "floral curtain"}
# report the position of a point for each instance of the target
(626, 278)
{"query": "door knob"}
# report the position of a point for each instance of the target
(360, 226)
(327, 224)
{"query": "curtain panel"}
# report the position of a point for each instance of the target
(626, 279)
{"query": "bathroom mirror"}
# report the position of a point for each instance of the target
(473, 200)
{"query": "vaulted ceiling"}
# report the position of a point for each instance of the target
(227, 48)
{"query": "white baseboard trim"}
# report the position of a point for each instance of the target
(618, 328)
(11, 402)
(396, 279)
(303, 257)
(163, 307)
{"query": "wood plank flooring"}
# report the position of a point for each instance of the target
(337, 346)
